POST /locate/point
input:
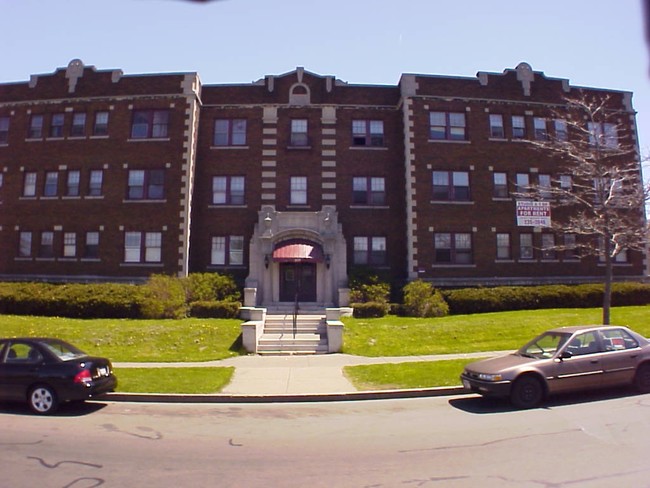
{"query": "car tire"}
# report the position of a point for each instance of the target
(642, 378)
(42, 400)
(527, 392)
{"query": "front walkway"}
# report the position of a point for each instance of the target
(311, 374)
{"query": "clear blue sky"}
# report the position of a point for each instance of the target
(591, 42)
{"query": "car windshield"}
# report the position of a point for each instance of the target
(545, 345)
(63, 350)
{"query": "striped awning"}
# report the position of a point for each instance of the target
(298, 251)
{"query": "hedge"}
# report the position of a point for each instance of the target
(481, 300)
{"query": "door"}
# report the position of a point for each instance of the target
(584, 369)
(297, 281)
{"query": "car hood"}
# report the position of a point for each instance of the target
(499, 364)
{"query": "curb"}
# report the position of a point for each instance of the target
(284, 398)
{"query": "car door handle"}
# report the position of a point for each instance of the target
(594, 361)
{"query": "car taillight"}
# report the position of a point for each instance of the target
(83, 376)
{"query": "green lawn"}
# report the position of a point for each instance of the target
(406, 336)
(173, 380)
(136, 340)
(420, 374)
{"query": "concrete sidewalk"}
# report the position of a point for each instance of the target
(278, 378)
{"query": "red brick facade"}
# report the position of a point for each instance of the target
(113, 177)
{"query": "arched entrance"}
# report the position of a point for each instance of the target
(297, 259)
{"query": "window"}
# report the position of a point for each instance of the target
(133, 250)
(91, 248)
(548, 246)
(523, 182)
(618, 340)
(25, 245)
(299, 133)
(72, 183)
(298, 190)
(526, 246)
(95, 182)
(503, 246)
(368, 190)
(496, 126)
(447, 126)
(229, 132)
(78, 128)
(51, 184)
(566, 182)
(602, 134)
(35, 127)
(69, 245)
(583, 344)
(570, 247)
(56, 127)
(368, 133)
(4, 130)
(227, 251)
(46, 249)
(29, 184)
(500, 185)
(561, 130)
(544, 184)
(539, 125)
(146, 184)
(451, 186)
(100, 127)
(452, 248)
(228, 190)
(518, 127)
(370, 250)
(149, 124)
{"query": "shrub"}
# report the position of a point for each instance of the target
(221, 309)
(209, 287)
(164, 298)
(481, 300)
(421, 299)
(370, 309)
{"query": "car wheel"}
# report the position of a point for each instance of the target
(642, 378)
(527, 392)
(42, 400)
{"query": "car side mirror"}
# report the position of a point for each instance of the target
(566, 355)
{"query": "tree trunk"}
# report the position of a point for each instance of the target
(607, 294)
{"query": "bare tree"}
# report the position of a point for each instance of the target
(599, 195)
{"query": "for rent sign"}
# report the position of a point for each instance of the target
(533, 214)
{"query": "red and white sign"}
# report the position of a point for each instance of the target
(533, 214)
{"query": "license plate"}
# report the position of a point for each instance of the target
(102, 371)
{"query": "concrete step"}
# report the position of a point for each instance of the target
(288, 344)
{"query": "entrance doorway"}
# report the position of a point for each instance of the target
(297, 282)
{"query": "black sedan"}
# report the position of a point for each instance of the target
(46, 372)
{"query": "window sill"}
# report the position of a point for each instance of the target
(451, 202)
(34, 139)
(370, 148)
(452, 265)
(94, 197)
(299, 148)
(501, 199)
(449, 141)
(144, 200)
(369, 207)
(299, 207)
(224, 206)
(497, 139)
(150, 139)
(99, 136)
(504, 261)
(71, 197)
(90, 260)
(141, 265)
(55, 138)
(218, 148)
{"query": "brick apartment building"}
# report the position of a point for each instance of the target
(288, 183)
